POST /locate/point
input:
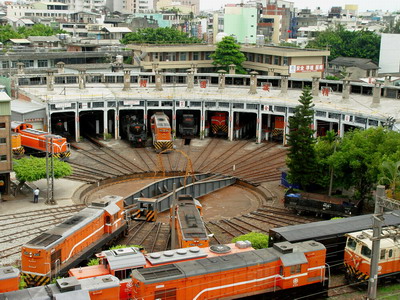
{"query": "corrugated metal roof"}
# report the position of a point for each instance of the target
(117, 29)
(50, 38)
(23, 107)
(20, 41)
(337, 227)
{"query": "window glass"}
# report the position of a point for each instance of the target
(351, 243)
(295, 269)
(2, 125)
(366, 251)
(390, 253)
(3, 140)
(382, 256)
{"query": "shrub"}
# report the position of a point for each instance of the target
(94, 262)
(258, 240)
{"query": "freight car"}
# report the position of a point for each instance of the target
(188, 127)
(161, 132)
(64, 246)
(219, 123)
(98, 288)
(9, 279)
(120, 262)
(189, 225)
(358, 252)
(135, 131)
(284, 270)
(330, 233)
(36, 139)
(323, 205)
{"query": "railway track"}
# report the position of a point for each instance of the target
(153, 237)
(257, 165)
(33, 223)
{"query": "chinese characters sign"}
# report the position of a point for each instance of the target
(306, 68)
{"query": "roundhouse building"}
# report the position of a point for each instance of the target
(254, 104)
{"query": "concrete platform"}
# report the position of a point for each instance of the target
(64, 190)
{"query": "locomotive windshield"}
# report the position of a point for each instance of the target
(366, 251)
(351, 243)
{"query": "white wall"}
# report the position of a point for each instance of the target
(389, 58)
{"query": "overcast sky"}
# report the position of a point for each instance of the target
(363, 5)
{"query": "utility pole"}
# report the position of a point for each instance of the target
(381, 202)
(50, 169)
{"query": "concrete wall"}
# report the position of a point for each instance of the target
(241, 22)
(389, 58)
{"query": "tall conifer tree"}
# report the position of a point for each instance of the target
(301, 157)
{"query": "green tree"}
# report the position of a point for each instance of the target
(7, 32)
(301, 158)
(342, 42)
(33, 168)
(159, 36)
(324, 148)
(358, 159)
(390, 176)
(38, 30)
(258, 240)
(227, 53)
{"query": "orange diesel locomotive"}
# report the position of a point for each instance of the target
(161, 131)
(358, 251)
(121, 262)
(284, 269)
(35, 139)
(189, 225)
(219, 123)
(55, 251)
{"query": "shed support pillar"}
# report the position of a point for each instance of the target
(77, 125)
(202, 122)
(116, 124)
(230, 126)
(105, 124)
(259, 125)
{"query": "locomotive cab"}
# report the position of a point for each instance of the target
(145, 210)
(358, 253)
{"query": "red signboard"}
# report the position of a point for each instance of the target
(143, 82)
(203, 84)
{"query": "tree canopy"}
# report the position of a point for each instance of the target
(33, 168)
(7, 32)
(362, 159)
(159, 36)
(301, 158)
(258, 240)
(342, 42)
(227, 53)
